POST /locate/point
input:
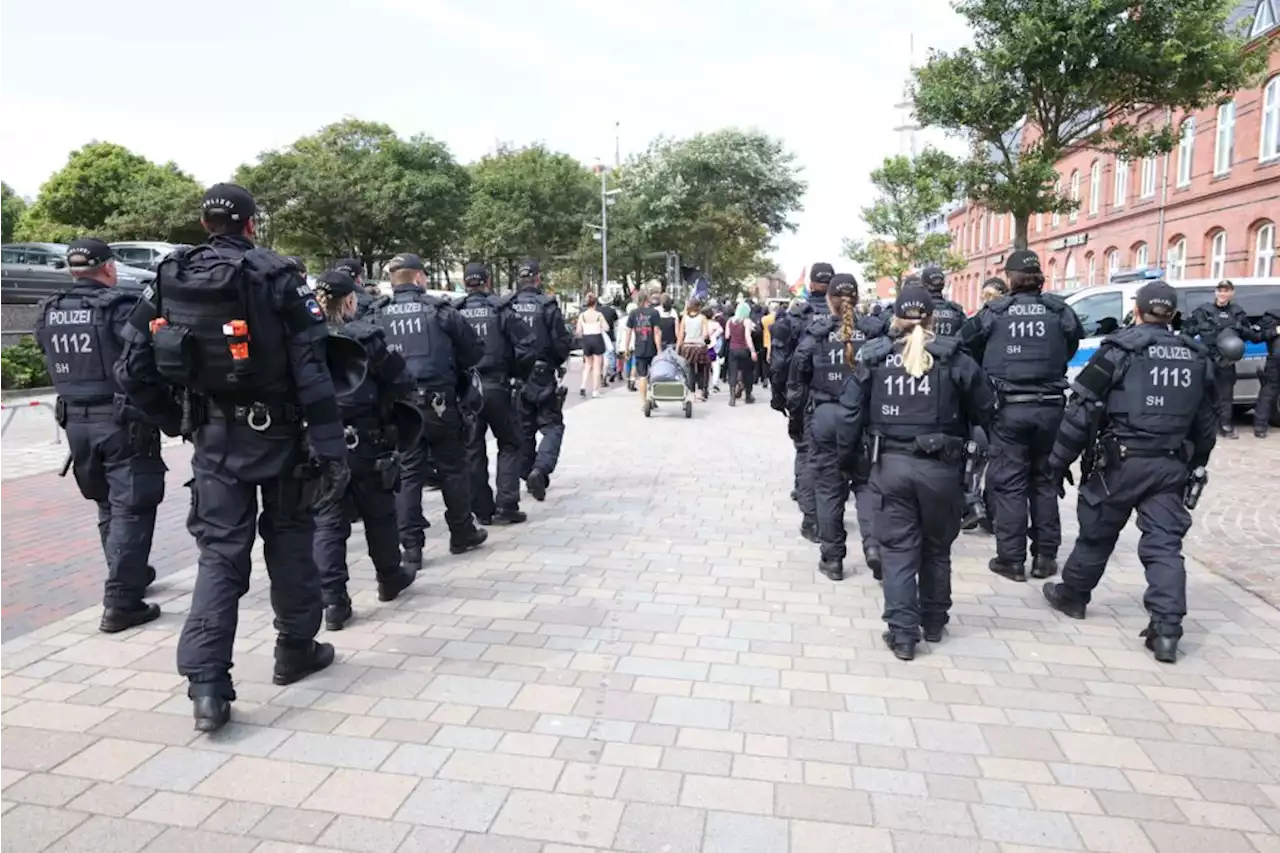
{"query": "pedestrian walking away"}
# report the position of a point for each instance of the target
(820, 366)
(693, 337)
(742, 355)
(115, 446)
(646, 339)
(592, 329)
(542, 399)
(508, 359)
(1269, 382)
(1024, 341)
(1223, 327)
(1142, 413)
(440, 349)
(948, 316)
(918, 395)
(375, 428)
(237, 332)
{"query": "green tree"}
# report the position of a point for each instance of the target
(164, 204)
(1045, 77)
(13, 207)
(908, 191)
(528, 202)
(355, 189)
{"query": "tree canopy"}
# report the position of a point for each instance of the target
(13, 206)
(1047, 76)
(908, 191)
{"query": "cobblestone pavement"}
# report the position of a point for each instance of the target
(652, 665)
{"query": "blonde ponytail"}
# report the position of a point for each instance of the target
(333, 306)
(915, 335)
(846, 329)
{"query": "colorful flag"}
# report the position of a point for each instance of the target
(801, 287)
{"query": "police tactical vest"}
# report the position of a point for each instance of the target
(480, 310)
(1163, 386)
(79, 351)
(830, 367)
(906, 406)
(215, 332)
(1027, 342)
(530, 306)
(362, 401)
(948, 317)
(411, 323)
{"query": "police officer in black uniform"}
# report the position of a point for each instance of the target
(1208, 322)
(917, 395)
(822, 362)
(440, 349)
(115, 448)
(371, 428)
(948, 316)
(1023, 342)
(785, 337)
(239, 333)
(1141, 403)
(365, 296)
(1269, 381)
(508, 355)
(542, 399)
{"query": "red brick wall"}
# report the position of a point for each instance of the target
(1237, 203)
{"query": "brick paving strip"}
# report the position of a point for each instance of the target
(657, 668)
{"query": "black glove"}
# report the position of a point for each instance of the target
(335, 476)
(795, 427)
(1063, 475)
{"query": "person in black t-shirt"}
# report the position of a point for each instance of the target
(611, 361)
(647, 340)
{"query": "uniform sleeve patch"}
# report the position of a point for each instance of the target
(314, 308)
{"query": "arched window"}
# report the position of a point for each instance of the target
(1218, 254)
(1113, 263)
(1177, 259)
(1264, 248)
(1186, 151)
(1091, 270)
(1269, 147)
(1095, 187)
(1075, 194)
(1052, 278)
(1141, 256)
(1069, 273)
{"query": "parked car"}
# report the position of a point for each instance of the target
(144, 254)
(31, 271)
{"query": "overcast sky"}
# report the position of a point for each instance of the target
(210, 88)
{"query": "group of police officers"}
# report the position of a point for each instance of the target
(336, 404)
(907, 412)
(328, 405)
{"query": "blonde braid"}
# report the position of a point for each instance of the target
(846, 328)
(332, 307)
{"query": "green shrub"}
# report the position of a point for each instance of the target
(22, 366)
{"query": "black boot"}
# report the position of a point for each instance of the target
(1260, 431)
(211, 712)
(1163, 646)
(484, 520)
(933, 633)
(1060, 600)
(411, 559)
(902, 649)
(1044, 567)
(809, 530)
(871, 554)
(1229, 432)
(117, 619)
(151, 575)
(468, 539)
(1012, 571)
(295, 661)
(795, 496)
(537, 484)
(833, 569)
(396, 583)
(509, 516)
(337, 615)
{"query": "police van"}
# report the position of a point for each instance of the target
(1109, 307)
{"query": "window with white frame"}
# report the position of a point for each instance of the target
(1148, 188)
(1186, 152)
(1069, 272)
(1218, 255)
(1000, 230)
(1113, 263)
(982, 232)
(1121, 182)
(1075, 194)
(1091, 269)
(1264, 250)
(1039, 222)
(1095, 187)
(1141, 257)
(1057, 217)
(1269, 147)
(1224, 140)
(1177, 260)
(1263, 19)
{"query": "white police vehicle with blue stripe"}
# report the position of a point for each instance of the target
(1109, 307)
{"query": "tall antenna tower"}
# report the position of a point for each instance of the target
(907, 126)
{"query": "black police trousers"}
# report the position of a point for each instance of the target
(541, 411)
(805, 496)
(444, 436)
(231, 466)
(920, 499)
(118, 466)
(1019, 480)
(833, 461)
(1224, 380)
(372, 500)
(499, 416)
(1153, 488)
(1268, 392)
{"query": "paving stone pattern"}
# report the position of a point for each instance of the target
(653, 665)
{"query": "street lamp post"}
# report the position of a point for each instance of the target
(606, 199)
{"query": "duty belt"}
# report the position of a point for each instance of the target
(1056, 399)
(365, 430)
(95, 410)
(1124, 452)
(259, 417)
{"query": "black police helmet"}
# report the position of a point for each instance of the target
(1230, 345)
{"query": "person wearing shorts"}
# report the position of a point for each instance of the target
(646, 340)
(591, 326)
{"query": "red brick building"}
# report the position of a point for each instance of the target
(1208, 209)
